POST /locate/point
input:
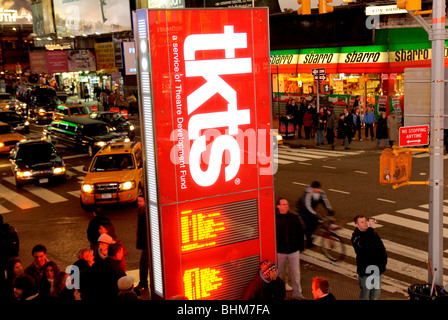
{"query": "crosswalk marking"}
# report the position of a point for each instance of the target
(17, 199)
(295, 158)
(419, 214)
(286, 155)
(76, 193)
(300, 152)
(3, 209)
(399, 249)
(387, 283)
(43, 193)
(392, 264)
(426, 155)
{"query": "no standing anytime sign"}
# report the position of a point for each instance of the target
(414, 136)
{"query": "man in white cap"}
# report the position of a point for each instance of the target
(126, 287)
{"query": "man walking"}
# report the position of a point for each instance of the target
(371, 258)
(289, 244)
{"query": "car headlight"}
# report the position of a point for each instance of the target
(23, 140)
(88, 188)
(27, 123)
(58, 170)
(100, 143)
(128, 185)
(2, 144)
(127, 140)
(24, 174)
(131, 127)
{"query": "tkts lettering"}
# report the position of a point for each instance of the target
(211, 71)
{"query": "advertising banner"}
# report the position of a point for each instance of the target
(105, 55)
(206, 118)
(38, 62)
(81, 60)
(43, 23)
(57, 61)
(78, 17)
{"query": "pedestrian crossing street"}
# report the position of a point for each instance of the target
(9, 194)
(409, 262)
(287, 155)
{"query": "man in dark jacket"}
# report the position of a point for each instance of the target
(289, 244)
(9, 246)
(100, 283)
(266, 284)
(371, 258)
(142, 244)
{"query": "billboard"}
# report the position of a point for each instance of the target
(81, 60)
(15, 12)
(85, 17)
(129, 66)
(43, 23)
(204, 92)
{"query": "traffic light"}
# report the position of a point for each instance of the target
(305, 8)
(410, 5)
(395, 168)
(324, 7)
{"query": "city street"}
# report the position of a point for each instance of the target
(351, 181)
(52, 215)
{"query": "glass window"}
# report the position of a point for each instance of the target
(115, 162)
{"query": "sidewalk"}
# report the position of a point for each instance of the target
(365, 144)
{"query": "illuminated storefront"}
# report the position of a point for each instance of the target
(366, 71)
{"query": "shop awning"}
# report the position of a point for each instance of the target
(393, 51)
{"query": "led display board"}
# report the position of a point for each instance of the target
(203, 77)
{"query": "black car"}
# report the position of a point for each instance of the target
(116, 120)
(15, 120)
(36, 161)
(84, 134)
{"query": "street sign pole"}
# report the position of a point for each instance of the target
(436, 181)
(318, 102)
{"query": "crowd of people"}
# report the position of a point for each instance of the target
(323, 124)
(293, 230)
(98, 274)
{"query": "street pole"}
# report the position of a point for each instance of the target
(436, 182)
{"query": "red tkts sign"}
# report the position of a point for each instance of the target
(414, 136)
(206, 118)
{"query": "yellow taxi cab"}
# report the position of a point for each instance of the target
(115, 176)
(9, 138)
(67, 110)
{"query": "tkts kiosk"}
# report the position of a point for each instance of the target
(204, 97)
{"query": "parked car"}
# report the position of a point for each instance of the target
(71, 111)
(36, 161)
(115, 175)
(116, 120)
(83, 134)
(15, 120)
(9, 137)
